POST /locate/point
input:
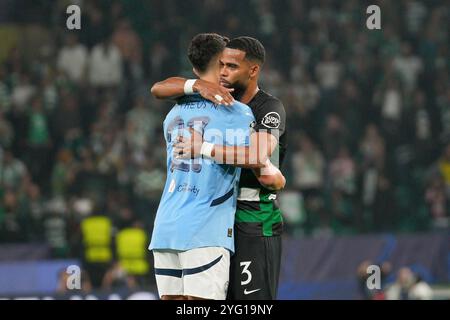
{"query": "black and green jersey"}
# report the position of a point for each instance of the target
(257, 210)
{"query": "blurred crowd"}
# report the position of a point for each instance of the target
(80, 135)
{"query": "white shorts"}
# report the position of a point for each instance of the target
(200, 272)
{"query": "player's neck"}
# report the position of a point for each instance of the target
(249, 93)
(210, 77)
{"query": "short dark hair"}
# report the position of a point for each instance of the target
(254, 50)
(204, 47)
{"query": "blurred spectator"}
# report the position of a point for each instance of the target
(6, 132)
(95, 27)
(416, 13)
(63, 174)
(300, 55)
(50, 94)
(39, 142)
(12, 171)
(391, 107)
(55, 228)
(349, 107)
(158, 58)
(400, 289)
(272, 78)
(333, 137)
(375, 190)
(408, 286)
(307, 93)
(421, 290)
(372, 148)
(328, 72)
(422, 121)
(22, 93)
(267, 25)
(105, 65)
(141, 124)
(435, 196)
(117, 278)
(97, 232)
(303, 97)
(342, 176)
(148, 185)
(124, 218)
(126, 40)
(72, 58)
(31, 213)
(10, 226)
(308, 167)
(343, 172)
(443, 103)
(408, 66)
(444, 166)
(132, 254)
(39, 126)
(5, 99)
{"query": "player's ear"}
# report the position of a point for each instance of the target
(254, 70)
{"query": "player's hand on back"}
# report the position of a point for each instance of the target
(185, 148)
(214, 92)
(270, 177)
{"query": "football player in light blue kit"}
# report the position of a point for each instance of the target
(198, 195)
(193, 233)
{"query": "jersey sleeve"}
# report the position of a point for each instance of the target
(271, 118)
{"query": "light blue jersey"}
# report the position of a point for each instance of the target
(198, 204)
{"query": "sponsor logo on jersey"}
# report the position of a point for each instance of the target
(271, 120)
(246, 292)
(187, 188)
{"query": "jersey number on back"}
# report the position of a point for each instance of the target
(198, 123)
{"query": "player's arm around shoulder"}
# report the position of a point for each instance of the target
(171, 88)
(176, 87)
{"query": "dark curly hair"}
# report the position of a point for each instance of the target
(254, 50)
(204, 47)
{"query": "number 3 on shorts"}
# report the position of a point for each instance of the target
(246, 264)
